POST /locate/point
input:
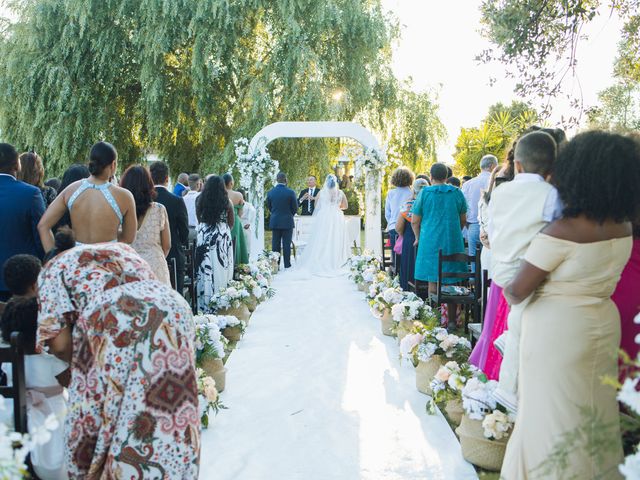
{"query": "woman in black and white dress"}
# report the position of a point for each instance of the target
(214, 247)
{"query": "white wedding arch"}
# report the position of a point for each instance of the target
(373, 181)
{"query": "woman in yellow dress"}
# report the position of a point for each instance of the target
(571, 328)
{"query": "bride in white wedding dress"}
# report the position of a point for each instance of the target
(328, 247)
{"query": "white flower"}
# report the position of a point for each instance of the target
(477, 398)
(631, 467)
(629, 396)
(496, 425)
(426, 351)
(409, 343)
(456, 381)
(397, 312)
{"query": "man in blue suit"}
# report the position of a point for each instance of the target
(283, 205)
(21, 206)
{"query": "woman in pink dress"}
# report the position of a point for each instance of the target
(627, 299)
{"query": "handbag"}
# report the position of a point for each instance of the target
(397, 248)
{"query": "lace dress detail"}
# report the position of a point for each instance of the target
(148, 241)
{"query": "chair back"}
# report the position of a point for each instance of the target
(190, 275)
(173, 277)
(14, 355)
(387, 254)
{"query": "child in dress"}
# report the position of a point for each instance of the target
(43, 372)
(518, 210)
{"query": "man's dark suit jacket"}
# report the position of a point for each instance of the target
(283, 205)
(21, 207)
(307, 207)
(179, 226)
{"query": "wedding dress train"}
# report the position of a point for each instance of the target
(328, 248)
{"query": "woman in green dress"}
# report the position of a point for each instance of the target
(241, 253)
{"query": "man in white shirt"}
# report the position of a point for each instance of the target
(472, 191)
(195, 185)
(307, 197)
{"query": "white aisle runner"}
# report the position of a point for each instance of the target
(316, 392)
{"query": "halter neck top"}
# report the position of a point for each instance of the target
(106, 193)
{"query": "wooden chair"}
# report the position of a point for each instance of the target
(387, 254)
(190, 276)
(14, 354)
(469, 279)
(173, 276)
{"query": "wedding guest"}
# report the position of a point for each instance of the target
(182, 185)
(283, 205)
(466, 178)
(99, 210)
(403, 227)
(518, 211)
(248, 220)
(72, 174)
(153, 239)
(306, 199)
(190, 196)
(214, 247)
(53, 183)
(32, 172)
(241, 254)
(571, 328)
(22, 209)
(455, 181)
(401, 180)
(45, 393)
(472, 191)
(439, 213)
(64, 240)
(178, 220)
(129, 339)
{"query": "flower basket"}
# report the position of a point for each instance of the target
(233, 334)
(477, 449)
(454, 411)
(404, 329)
(241, 313)
(221, 379)
(275, 266)
(386, 323)
(252, 303)
(362, 287)
(425, 371)
(211, 365)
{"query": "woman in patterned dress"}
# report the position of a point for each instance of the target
(133, 394)
(153, 239)
(214, 247)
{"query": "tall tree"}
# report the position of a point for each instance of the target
(538, 40)
(185, 78)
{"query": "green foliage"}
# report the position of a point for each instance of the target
(495, 135)
(354, 202)
(619, 108)
(185, 78)
(538, 40)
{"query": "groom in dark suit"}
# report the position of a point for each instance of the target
(21, 206)
(283, 205)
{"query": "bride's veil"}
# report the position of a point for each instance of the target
(329, 195)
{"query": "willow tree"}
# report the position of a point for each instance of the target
(185, 78)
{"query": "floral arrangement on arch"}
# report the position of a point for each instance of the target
(254, 167)
(210, 343)
(14, 446)
(426, 342)
(233, 296)
(479, 404)
(208, 399)
(371, 165)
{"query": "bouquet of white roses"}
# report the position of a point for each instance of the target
(233, 296)
(497, 425)
(477, 397)
(208, 398)
(385, 300)
(359, 263)
(210, 343)
(438, 341)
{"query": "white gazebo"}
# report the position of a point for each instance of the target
(351, 130)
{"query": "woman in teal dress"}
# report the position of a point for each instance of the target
(439, 213)
(241, 254)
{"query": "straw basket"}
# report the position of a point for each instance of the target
(275, 266)
(252, 303)
(220, 378)
(241, 313)
(233, 334)
(404, 329)
(387, 324)
(454, 411)
(478, 450)
(362, 287)
(212, 365)
(425, 371)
